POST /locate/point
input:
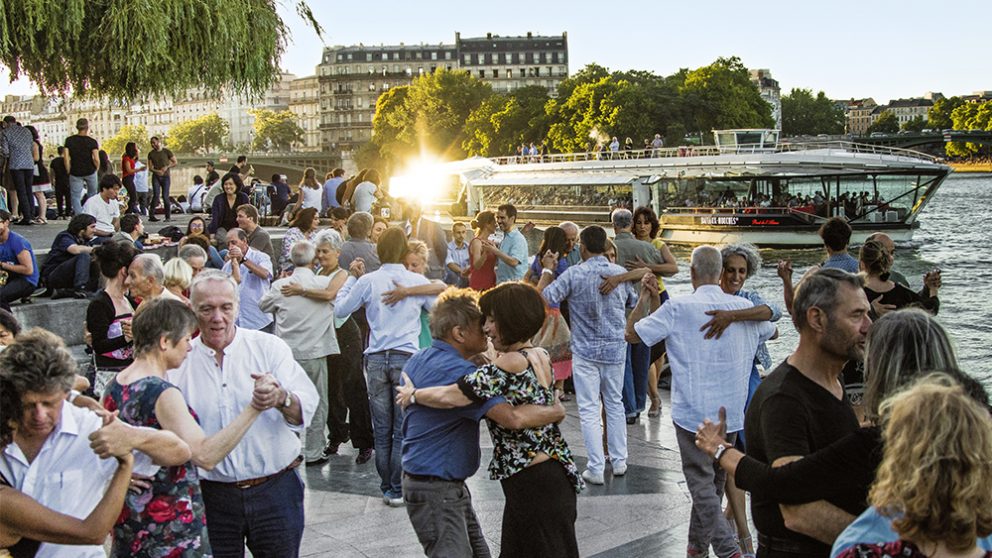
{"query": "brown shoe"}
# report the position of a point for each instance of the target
(364, 455)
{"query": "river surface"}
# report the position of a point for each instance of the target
(955, 235)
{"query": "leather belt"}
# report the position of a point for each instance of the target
(252, 483)
(790, 546)
(429, 478)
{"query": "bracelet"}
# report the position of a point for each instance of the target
(548, 271)
(73, 394)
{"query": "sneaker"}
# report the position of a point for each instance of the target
(364, 455)
(319, 461)
(592, 478)
(392, 501)
(620, 470)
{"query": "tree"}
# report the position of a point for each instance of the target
(806, 115)
(275, 129)
(134, 50)
(970, 116)
(129, 133)
(939, 115)
(915, 124)
(198, 135)
(501, 123)
(886, 123)
(721, 96)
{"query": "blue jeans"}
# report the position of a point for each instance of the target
(76, 186)
(635, 378)
(383, 371)
(268, 517)
(160, 185)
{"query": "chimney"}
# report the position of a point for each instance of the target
(530, 35)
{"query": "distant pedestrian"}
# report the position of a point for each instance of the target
(60, 179)
(331, 182)
(129, 161)
(18, 268)
(160, 163)
(82, 158)
(17, 145)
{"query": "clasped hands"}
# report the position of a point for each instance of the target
(267, 393)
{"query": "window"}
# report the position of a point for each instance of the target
(447, 55)
(368, 56)
(506, 57)
(466, 58)
(482, 74)
(420, 71)
(349, 56)
(385, 87)
(409, 71)
(509, 74)
(523, 72)
(433, 56)
(372, 86)
(419, 55)
(396, 55)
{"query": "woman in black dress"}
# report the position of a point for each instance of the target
(224, 212)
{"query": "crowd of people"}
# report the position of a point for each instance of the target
(218, 373)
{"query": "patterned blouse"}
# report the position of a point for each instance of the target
(513, 450)
(897, 549)
(168, 519)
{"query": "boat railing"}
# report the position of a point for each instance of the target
(749, 210)
(709, 151)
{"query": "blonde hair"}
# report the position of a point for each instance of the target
(178, 274)
(417, 248)
(937, 468)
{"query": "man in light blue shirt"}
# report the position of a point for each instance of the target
(456, 262)
(251, 269)
(329, 200)
(574, 256)
(394, 334)
(511, 256)
(836, 235)
(598, 347)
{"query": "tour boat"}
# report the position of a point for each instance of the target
(702, 195)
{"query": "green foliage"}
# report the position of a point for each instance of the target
(138, 134)
(887, 123)
(368, 156)
(276, 130)
(721, 96)
(939, 115)
(133, 50)
(501, 123)
(915, 124)
(967, 117)
(804, 114)
(198, 135)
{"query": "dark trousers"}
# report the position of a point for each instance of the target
(635, 378)
(73, 273)
(348, 397)
(132, 195)
(442, 516)
(22, 183)
(62, 199)
(268, 517)
(540, 512)
(17, 287)
(160, 190)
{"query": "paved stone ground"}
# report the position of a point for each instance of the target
(645, 513)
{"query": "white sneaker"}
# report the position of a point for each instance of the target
(620, 470)
(592, 478)
(396, 502)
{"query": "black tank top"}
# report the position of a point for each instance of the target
(25, 548)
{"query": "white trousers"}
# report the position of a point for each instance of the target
(595, 382)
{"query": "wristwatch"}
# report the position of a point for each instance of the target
(413, 397)
(719, 452)
(289, 399)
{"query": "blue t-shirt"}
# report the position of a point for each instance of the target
(442, 442)
(15, 245)
(842, 261)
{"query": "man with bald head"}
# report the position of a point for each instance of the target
(251, 269)
(707, 375)
(145, 278)
(932, 278)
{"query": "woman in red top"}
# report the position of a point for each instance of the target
(482, 270)
(128, 163)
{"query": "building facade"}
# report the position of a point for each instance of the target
(352, 78)
(909, 109)
(304, 103)
(860, 116)
(770, 92)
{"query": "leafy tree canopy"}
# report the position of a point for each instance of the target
(939, 115)
(915, 124)
(501, 123)
(804, 114)
(970, 116)
(129, 133)
(721, 95)
(887, 123)
(200, 134)
(133, 50)
(275, 129)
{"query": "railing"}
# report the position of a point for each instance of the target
(709, 151)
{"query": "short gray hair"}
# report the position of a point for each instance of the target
(360, 224)
(566, 225)
(454, 308)
(150, 266)
(707, 263)
(302, 253)
(192, 251)
(38, 362)
(212, 275)
(622, 218)
(240, 233)
(747, 251)
(821, 289)
(330, 237)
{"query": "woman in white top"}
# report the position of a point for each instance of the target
(310, 192)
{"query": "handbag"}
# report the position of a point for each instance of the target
(555, 337)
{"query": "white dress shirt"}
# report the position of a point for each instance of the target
(251, 289)
(706, 373)
(65, 476)
(307, 325)
(104, 212)
(218, 394)
(394, 327)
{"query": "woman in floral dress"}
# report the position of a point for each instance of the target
(166, 520)
(534, 465)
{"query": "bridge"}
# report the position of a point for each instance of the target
(914, 139)
(291, 164)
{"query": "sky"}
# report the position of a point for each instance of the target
(869, 48)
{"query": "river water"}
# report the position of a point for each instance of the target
(954, 235)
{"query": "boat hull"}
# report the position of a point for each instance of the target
(786, 237)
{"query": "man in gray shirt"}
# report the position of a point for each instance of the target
(16, 144)
(633, 253)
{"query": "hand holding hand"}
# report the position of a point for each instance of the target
(549, 260)
(113, 439)
(710, 435)
(649, 285)
(932, 281)
(234, 254)
(357, 267)
(404, 391)
(267, 393)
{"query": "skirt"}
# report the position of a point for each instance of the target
(539, 516)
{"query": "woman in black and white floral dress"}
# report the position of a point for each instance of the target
(534, 465)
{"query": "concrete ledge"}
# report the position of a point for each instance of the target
(65, 318)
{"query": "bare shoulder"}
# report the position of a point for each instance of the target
(513, 362)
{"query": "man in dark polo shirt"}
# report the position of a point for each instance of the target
(160, 163)
(68, 267)
(801, 408)
(441, 446)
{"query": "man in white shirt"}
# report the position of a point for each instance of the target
(255, 493)
(104, 207)
(252, 271)
(145, 278)
(394, 333)
(307, 326)
(50, 458)
(707, 374)
(457, 260)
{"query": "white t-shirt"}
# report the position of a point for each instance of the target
(141, 178)
(312, 197)
(105, 212)
(196, 195)
(364, 197)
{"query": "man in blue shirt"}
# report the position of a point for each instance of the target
(836, 235)
(329, 199)
(441, 446)
(17, 264)
(511, 256)
(67, 269)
